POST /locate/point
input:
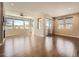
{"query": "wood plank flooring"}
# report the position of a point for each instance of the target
(36, 46)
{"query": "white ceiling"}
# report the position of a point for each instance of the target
(53, 9)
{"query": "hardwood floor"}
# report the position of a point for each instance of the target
(35, 46)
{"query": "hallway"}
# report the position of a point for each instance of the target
(22, 46)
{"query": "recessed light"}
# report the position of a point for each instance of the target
(12, 4)
(69, 8)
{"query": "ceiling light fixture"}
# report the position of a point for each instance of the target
(69, 8)
(21, 14)
(12, 4)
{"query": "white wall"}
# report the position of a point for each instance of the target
(17, 32)
(39, 32)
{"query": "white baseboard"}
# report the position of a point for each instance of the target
(40, 35)
(67, 35)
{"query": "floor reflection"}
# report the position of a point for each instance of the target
(38, 46)
(65, 48)
(8, 48)
(49, 46)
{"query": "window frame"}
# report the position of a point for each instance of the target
(8, 25)
(61, 25)
(69, 24)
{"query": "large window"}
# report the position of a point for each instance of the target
(18, 24)
(68, 23)
(65, 23)
(60, 24)
(48, 23)
(9, 23)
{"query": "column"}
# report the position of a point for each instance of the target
(1, 23)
